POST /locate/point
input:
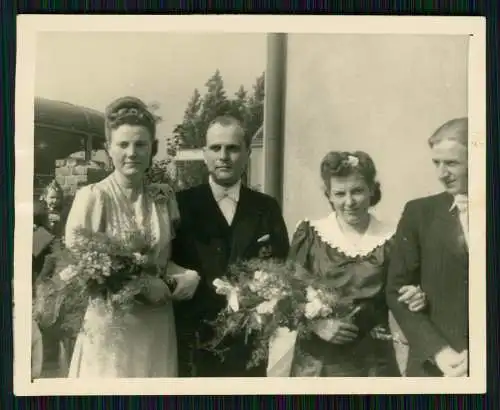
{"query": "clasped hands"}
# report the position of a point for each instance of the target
(448, 360)
(341, 331)
(186, 283)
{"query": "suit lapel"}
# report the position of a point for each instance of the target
(211, 218)
(449, 228)
(245, 222)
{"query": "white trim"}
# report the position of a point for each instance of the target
(328, 229)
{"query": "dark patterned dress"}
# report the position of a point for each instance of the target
(321, 247)
(56, 344)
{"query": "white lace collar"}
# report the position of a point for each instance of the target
(330, 232)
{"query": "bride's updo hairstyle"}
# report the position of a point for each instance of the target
(130, 111)
(343, 164)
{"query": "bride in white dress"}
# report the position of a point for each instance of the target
(145, 345)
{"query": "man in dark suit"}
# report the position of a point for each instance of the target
(431, 249)
(222, 222)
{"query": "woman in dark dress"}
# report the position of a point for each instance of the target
(50, 216)
(49, 220)
(350, 247)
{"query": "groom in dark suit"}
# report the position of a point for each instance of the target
(431, 249)
(221, 222)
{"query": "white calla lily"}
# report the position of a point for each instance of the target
(231, 292)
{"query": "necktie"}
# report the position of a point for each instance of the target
(228, 207)
(226, 202)
(463, 210)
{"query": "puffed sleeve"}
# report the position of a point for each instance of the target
(301, 245)
(86, 212)
(167, 195)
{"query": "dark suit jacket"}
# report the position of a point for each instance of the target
(430, 250)
(206, 243)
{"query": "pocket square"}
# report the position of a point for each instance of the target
(264, 238)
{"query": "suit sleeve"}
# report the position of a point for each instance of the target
(404, 268)
(182, 253)
(279, 233)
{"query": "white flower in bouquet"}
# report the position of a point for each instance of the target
(311, 294)
(140, 258)
(313, 309)
(231, 292)
(267, 286)
(267, 307)
(316, 305)
(106, 265)
(276, 293)
(260, 279)
(261, 276)
(257, 318)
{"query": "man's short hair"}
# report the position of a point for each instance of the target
(453, 130)
(230, 121)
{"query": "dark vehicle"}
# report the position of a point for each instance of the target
(63, 129)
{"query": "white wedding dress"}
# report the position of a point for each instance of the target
(145, 344)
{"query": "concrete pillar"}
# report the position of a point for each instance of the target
(274, 115)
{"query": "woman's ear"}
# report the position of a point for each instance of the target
(372, 190)
(108, 156)
(326, 191)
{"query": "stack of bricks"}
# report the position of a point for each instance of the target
(73, 173)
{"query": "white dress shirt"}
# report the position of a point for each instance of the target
(461, 203)
(227, 198)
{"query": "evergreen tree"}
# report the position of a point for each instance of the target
(215, 103)
(187, 134)
(256, 106)
(201, 110)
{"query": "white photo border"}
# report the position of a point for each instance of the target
(28, 26)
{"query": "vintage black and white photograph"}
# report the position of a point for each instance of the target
(240, 202)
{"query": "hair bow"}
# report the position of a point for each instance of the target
(352, 160)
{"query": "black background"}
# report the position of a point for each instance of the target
(490, 9)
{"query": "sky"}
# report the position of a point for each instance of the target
(93, 68)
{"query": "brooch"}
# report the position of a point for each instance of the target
(159, 194)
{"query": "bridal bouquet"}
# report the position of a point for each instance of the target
(275, 302)
(112, 269)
